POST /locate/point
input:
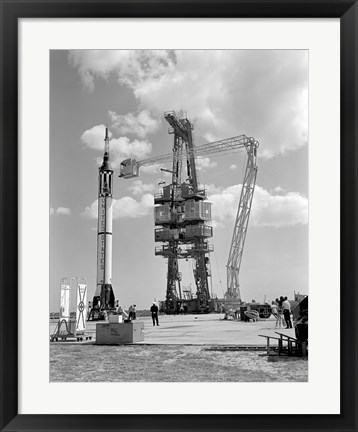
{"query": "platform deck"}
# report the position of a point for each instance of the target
(209, 329)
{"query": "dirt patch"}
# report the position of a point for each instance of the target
(166, 363)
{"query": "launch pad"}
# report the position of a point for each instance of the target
(203, 329)
(182, 219)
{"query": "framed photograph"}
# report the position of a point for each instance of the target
(133, 132)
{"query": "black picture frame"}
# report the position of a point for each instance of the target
(11, 11)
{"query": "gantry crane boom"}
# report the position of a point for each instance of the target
(130, 168)
(225, 146)
(242, 219)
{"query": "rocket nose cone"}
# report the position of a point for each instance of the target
(106, 166)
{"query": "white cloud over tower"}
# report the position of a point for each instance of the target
(213, 86)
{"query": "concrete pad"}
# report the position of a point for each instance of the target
(210, 329)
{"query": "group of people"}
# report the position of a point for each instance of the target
(281, 310)
(132, 313)
(130, 316)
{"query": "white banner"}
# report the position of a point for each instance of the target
(65, 303)
(81, 312)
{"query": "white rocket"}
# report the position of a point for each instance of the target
(104, 292)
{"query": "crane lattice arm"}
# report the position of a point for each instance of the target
(240, 228)
(130, 167)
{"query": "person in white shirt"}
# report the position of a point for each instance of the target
(287, 313)
(121, 311)
(132, 312)
(274, 309)
(279, 315)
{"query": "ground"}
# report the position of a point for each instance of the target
(161, 363)
(167, 356)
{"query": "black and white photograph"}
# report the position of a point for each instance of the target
(178, 203)
(179, 215)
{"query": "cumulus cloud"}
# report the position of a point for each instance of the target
(138, 188)
(60, 211)
(278, 210)
(150, 169)
(129, 66)
(211, 189)
(93, 138)
(126, 207)
(141, 124)
(269, 210)
(260, 93)
(278, 189)
(204, 163)
(120, 148)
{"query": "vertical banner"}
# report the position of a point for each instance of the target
(65, 302)
(81, 312)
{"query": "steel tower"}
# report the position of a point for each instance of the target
(182, 214)
(181, 217)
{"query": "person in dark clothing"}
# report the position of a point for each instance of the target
(301, 326)
(132, 312)
(286, 306)
(154, 311)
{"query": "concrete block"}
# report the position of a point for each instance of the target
(119, 333)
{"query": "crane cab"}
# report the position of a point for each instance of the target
(129, 168)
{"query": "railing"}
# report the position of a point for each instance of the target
(187, 251)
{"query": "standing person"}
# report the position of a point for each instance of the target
(287, 312)
(154, 311)
(134, 312)
(274, 309)
(121, 311)
(280, 303)
(279, 318)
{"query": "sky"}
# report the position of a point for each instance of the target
(225, 93)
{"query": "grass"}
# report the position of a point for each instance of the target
(167, 363)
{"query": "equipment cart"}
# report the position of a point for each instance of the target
(67, 330)
(70, 325)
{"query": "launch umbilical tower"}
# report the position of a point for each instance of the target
(181, 218)
(182, 214)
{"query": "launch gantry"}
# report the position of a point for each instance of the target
(183, 214)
